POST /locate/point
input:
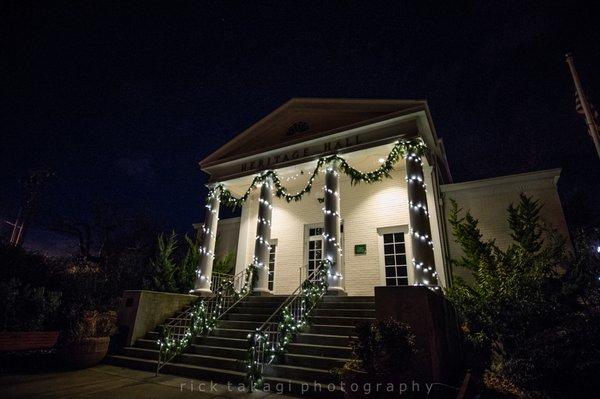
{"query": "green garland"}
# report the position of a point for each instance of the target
(288, 327)
(400, 149)
(203, 321)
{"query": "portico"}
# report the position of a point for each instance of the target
(354, 182)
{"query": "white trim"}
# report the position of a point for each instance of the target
(553, 174)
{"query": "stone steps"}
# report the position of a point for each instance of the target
(221, 356)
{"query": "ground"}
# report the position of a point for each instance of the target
(106, 381)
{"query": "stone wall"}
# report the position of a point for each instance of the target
(142, 311)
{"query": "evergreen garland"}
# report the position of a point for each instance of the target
(203, 321)
(311, 293)
(401, 149)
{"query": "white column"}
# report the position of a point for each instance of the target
(207, 245)
(263, 236)
(332, 229)
(420, 229)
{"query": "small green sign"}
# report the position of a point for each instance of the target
(360, 249)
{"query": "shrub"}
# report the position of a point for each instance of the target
(531, 312)
(27, 308)
(381, 347)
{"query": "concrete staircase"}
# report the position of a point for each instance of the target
(221, 356)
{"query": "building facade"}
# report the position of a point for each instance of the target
(375, 211)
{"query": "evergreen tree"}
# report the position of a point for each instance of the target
(163, 266)
(186, 272)
(530, 312)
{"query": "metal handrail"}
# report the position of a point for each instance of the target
(201, 317)
(269, 341)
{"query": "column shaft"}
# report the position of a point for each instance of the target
(332, 228)
(207, 246)
(420, 228)
(263, 236)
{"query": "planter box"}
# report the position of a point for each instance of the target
(86, 352)
(27, 340)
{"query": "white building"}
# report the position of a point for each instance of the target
(388, 232)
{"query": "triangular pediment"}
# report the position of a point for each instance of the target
(303, 119)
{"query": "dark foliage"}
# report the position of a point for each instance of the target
(531, 312)
(382, 346)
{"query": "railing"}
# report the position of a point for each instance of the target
(203, 314)
(268, 344)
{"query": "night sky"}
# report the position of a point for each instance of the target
(121, 102)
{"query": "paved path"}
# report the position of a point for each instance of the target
(111, 382)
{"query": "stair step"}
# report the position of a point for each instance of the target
(343, 352)
(320, 362)
(332, 298)
(186, 370)
(149, 354)
(152, 335)
(268, 310)
(224, 363)
(146, 344)
(342, 321)
(331, 329)
(225, 342)
(344, 312)
(347, 305)
(323, 339)
(219, 351)
(300, 373)
(246, 317)
(231, 333)
(240, 324)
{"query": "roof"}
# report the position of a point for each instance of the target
(302, 119)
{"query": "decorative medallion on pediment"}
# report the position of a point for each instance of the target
(298, 128)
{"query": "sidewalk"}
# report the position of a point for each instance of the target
(106, 381)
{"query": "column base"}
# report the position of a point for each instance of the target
(260, 292)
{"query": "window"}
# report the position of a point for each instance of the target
(394, 252)
(272, 266)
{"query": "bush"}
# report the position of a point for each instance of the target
(94, 324)
(531, 313)
(382, 347)
(27, 308)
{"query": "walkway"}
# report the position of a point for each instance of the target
(106, 381)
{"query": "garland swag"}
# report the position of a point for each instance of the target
(401, 148)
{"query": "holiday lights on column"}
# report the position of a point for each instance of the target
(332, 250)
(207, 244)
(420, 228)
(263, 236)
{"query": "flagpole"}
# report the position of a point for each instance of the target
(593, 129)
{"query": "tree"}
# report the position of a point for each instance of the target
(526, 319)
(163, 266)
(186, 272)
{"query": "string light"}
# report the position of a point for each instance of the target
(400, 149)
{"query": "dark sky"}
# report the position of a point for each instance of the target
(121, 101)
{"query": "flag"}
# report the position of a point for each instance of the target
(579, 110)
